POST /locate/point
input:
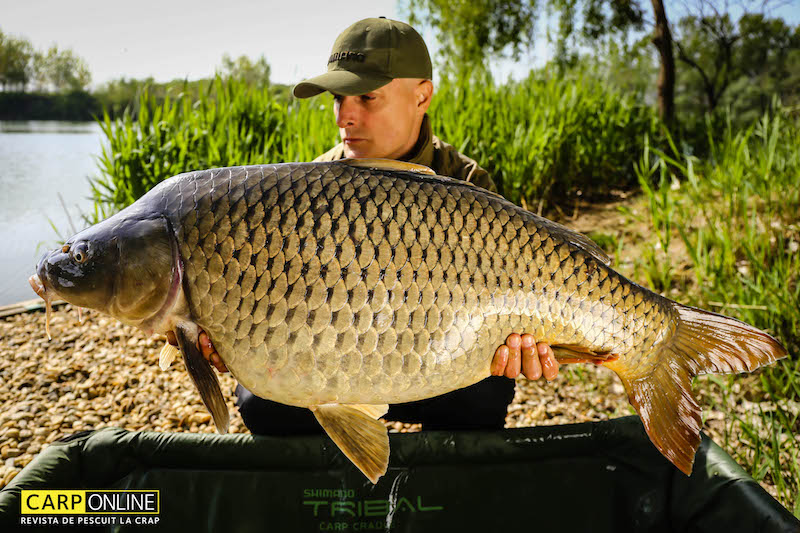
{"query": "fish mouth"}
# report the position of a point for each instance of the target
(40, 288)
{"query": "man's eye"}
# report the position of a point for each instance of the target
(367, 98)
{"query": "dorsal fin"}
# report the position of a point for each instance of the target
(572, 236)
(578, 239)
(388, 164)
(591, 247)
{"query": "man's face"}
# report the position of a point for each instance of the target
(385, 122)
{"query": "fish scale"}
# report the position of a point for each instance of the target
(346, 286)
(322, 284)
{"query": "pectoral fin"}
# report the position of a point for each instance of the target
(204, 379)
(167, 356)
(375, 411)
(357, 432)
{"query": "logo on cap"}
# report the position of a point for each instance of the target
(347, 56)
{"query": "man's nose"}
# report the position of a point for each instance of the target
(346, 112)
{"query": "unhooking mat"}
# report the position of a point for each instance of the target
(594, 477)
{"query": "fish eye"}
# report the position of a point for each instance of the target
(79, 252)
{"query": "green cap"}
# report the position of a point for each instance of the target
(368, 55)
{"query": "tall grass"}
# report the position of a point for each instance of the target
(545, 135)
(738, 215)
(229, 124)
(538, 138)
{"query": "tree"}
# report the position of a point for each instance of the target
(708, 49)
(253, 73)
(751, 57)
(20, 65)
(16, 56)
(469, 31)
(662, 40)
(768, 57)
(64, 70)
(477, 30)
(472, 31)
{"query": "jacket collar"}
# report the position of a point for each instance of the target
(422, 152)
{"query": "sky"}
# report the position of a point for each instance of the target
(170, 39)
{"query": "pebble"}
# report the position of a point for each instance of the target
(11, 475)
(96, 374)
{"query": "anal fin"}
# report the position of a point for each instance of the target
(360, 436)
(573, 353)
(204, 379)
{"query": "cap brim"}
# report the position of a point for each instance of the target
(340, 82)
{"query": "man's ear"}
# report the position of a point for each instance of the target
(423, 94)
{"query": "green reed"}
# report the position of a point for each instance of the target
(546, 135)
(538, 138)
(228, 124)
(738, 215)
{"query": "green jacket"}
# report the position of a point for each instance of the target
(432, 152)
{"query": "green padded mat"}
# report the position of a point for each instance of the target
(597, 477)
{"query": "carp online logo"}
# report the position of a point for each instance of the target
(90, 507)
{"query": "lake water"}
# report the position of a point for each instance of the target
(38, 162)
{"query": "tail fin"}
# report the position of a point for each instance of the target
(703, 342)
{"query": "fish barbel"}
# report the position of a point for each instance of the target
(344, 287)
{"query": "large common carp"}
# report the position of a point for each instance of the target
(347, 286)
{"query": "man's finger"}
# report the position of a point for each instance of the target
(513, 341)
(206, 348)
(218, 364)
(548, 361)
(500, 360)
(530, 358)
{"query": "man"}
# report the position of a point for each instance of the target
(379, 73)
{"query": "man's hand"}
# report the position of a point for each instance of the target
(522, 351)
(205, 347)
(210, 353)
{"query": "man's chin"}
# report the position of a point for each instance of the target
(358, 154)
